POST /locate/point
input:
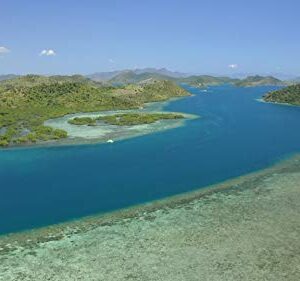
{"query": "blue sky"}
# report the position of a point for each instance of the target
(204, 36)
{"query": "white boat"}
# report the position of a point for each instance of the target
(110, 141)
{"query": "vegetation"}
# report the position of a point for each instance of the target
(257, 80)
(125, 119)
(26, 102)
(130, 119)
(128, 77)
(82, 121)
(290, 95)
(39, 133)
(206, 80)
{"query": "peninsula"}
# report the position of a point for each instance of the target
(288, 95)
(26, 102)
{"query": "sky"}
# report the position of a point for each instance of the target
(204, 36)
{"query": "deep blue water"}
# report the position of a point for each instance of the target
(236, 135)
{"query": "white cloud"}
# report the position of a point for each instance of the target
(48, 53)
(233, 66)
(4, 50)
(111, 61)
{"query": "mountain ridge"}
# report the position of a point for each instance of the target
(149, 75)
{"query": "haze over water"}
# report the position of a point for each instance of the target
(236, 135)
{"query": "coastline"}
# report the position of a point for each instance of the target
(157, 107)
(277, 103)
(241, 228)
(237, 184)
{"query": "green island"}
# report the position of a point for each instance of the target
(83, 121)
(288, 95)
(26, 102)
(130, 119)
(257, 80)
(143, 77)
(126, 119)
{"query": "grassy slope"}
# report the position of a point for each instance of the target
(26, 102)
(290, 94)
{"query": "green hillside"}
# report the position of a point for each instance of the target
(205, 80)
(26, 102)
(290, 95)
(252, 81)
(134, 77)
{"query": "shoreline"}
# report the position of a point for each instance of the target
(80, 141)
(88, 223)
(246, 228)
(277, 103)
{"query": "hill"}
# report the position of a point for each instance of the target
(289, 95)
(145, 75)
(161, 71)
(205, 80)
(156, 72)
(257, 80)
(8, 76)
(27, 101)
(103, 76)
(130, 77)
(31, 80)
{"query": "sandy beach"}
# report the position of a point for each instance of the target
(243, 229)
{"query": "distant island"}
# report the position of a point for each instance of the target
(148, 75)
(143, 76)
(252, 81)
(26, 102)
(125, 119)
(288, 95)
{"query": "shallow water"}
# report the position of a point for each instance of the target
(104, 132)
(236, 135)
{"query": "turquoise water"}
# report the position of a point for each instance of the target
(236, 135)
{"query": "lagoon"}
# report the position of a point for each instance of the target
(235, 135)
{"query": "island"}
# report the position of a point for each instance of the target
(125, 119)
(83, 121)
(144, 76)
(257, 80)
(287, 95)
(26, 102)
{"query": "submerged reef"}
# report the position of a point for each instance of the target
(243, 229)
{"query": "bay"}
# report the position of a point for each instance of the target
(235, 135)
